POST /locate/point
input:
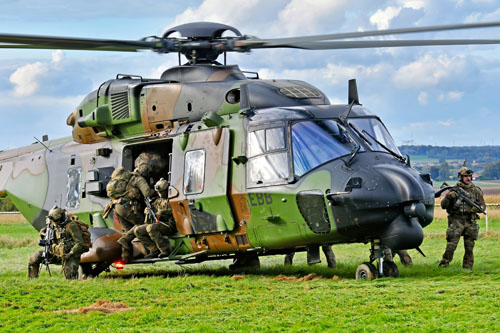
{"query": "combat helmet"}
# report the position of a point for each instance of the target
(57, 214)
(121, 173)
(161, 185)
(464, 171)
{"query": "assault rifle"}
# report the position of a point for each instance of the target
(462, 195)
(151, 215)
(47, 241)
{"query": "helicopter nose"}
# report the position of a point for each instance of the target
(388, 201)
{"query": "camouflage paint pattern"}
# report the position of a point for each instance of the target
(195, 112)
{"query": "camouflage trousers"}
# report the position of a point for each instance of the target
(404, 256)
(327, 250)
(460, 226)
(129, 218)
(154, 237)
(69, 266)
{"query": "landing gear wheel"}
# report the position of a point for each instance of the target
(390, 269)
(366, 271)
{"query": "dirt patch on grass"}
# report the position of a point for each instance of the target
(309, 277)
(104, 306)
(237, 277)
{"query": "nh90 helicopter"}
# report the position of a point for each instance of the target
(256, 167)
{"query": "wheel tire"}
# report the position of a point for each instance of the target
(390, 269)
(366, 271)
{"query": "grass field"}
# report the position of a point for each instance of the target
(209, 297)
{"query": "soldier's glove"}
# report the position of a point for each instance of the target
(452, 195)
(66, 256)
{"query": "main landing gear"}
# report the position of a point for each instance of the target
(387, 268)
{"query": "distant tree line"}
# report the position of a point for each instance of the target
(469, 153)
(491, 171)
(6, 205)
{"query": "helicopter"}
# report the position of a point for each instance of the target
(256, 167)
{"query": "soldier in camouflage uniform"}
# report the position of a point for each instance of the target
(127, 191)
(327, 250)
(154, 235)
(71, 240)
(462, 218)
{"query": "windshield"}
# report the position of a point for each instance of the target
(377, 130)
(316, 142)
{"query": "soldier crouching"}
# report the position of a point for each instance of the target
(69, 239)
(127, 191)
(155, 235)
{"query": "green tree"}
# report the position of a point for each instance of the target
(444, 171)
(492, 171)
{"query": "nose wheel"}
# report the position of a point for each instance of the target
(385, 268)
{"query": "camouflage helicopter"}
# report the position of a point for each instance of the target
(256, 167)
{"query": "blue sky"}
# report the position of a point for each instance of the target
(424, 95)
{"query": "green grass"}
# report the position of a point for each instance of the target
(206, 297)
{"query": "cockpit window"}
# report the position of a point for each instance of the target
(268, 157)
(266, 140)
(375, 129)
(316, 142)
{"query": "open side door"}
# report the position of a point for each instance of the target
(199, 175)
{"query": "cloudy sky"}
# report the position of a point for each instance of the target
(425, 95)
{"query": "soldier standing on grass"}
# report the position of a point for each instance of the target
(462, 218)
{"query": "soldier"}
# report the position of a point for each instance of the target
(462, 217)
(71, 240)
(327, 250)
(127, 191)
(404, 256)
(155, 235)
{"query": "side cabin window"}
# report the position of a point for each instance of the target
(73, 188)
(194, 171)
(268, 156)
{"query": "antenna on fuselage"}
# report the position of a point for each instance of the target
(352, 98)
(40, 142)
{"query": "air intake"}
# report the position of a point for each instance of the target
(119, 105)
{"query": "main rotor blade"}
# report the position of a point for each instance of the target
(69, 43)
(303, 39)
(379, 43)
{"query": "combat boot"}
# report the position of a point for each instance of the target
(152, 255)
(405, 258)
(444, 264)
(289, 258)
(33, 271)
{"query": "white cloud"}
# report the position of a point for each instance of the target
(382, 18)
(428, 71)
(301, 17)
(26, 78)
(445, 123)
(451, 96)
(57, 56)
(423, 97)
(220, 11)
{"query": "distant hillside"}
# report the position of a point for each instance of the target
(485, 154)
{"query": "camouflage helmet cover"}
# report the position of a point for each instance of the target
(121, 173)
(465, 172)
(161, 185)
(57, 214)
